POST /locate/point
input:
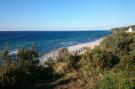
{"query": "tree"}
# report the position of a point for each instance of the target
(32, 52)
(29, 54)
(5, 53)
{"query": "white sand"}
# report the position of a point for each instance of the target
(72, 49)
(90, 45)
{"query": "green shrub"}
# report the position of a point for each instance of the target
(103, 58)
(23, 75)
(27, 54)
(121, 80)
(117, 42)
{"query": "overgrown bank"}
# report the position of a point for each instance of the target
(111, 65)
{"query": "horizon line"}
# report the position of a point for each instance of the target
(57, 30)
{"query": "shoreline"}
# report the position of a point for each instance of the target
(72, 49)
(90, 45)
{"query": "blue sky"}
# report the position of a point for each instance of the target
(65, 14)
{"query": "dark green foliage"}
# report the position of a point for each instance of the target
(25, 72)
(117, 42)
(111, 64)
(5, 53)
(23, 75)
(30, 54)
(63, 55)
(121, 80)
(107, 83)
(73, 62)
(103, 58)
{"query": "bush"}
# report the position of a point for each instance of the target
(63, 55)
(104, 58)
(121, 80)
(27, 54)
(118, 42)
(24, 75)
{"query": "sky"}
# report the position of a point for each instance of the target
(62, 15)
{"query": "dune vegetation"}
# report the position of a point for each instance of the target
(111, 65)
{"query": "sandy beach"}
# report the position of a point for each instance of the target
(72, 49)
(80, 46)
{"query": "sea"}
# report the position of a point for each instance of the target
(47, 41)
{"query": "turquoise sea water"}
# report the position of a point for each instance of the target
(47, 41)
